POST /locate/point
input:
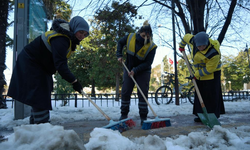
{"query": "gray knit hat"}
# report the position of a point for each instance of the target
(201, 38)
(77, 23)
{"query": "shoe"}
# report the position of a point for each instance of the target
(197, 120)
(123, 117)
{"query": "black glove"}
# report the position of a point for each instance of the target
(191, 77)
(77, 87)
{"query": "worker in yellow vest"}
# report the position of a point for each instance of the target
(31, 81)
(140, 53)
(206, 58)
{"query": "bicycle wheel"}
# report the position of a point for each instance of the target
(163, 95)
(191, 95)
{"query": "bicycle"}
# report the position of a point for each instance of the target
(164, 94)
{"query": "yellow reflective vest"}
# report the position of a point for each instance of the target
(205, 62)
(47, 36)
(143, 52)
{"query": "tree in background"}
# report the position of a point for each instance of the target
(182, 71)
(81, 62)
(113, 22)
(236, 71)
(3, 26)
(63, 10)
(217, 16)
(214, 17)
(155, 79)
(58, 9)
(158, 76)
(193, 16)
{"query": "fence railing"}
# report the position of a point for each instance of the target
(111, 100)
(235, 95)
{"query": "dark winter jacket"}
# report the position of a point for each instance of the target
(31, 81)
(54, 60)
(133, 62)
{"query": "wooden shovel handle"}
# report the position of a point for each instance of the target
(98, 108)
(193, 80)
(140, 90)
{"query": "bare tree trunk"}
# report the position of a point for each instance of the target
(228, 21)
(3, 28)
(196, 9)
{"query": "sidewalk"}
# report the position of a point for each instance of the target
(180, 125)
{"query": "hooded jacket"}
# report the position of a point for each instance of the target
(51, 49)
(205, 62)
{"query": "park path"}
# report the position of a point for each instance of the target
(180, 125)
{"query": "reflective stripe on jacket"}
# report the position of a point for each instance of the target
(205, 62)
(47, 36)
(143, 52)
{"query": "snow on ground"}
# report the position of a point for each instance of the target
(54, 137)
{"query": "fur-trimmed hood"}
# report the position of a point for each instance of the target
(62, 26)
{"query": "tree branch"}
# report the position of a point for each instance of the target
(182, 16)
(227, 22)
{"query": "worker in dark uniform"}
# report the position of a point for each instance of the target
(207, 72)
(31, 82)
(140, 55)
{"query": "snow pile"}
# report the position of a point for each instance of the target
(42, 137)
(55, 137)
(217, 139)
(49, 137)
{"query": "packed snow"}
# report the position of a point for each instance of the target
(54, 137)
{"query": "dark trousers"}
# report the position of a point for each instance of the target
(211, 94)
(39, 116)
(142, 79)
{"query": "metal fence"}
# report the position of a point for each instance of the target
(235, 95)
(110, 100)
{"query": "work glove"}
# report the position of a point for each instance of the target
(191, 77)
(77, 87)
(181, 49)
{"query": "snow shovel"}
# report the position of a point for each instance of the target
(208, 119)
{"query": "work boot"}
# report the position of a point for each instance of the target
(123, 117)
